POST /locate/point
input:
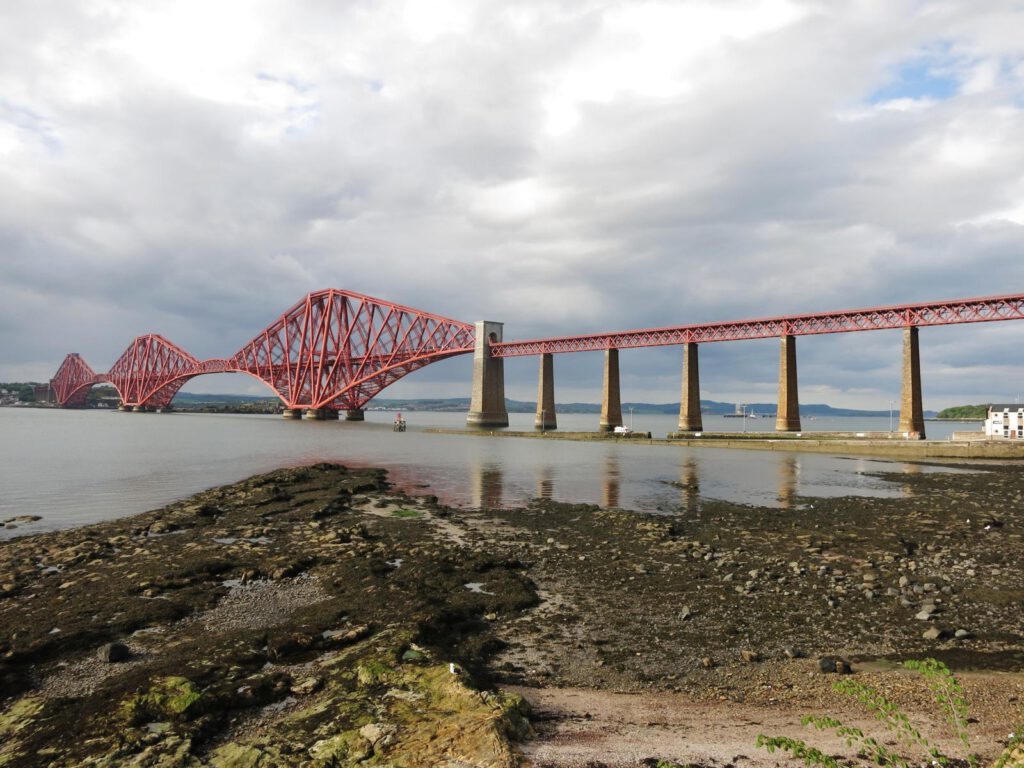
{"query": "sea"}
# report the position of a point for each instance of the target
(74, 467)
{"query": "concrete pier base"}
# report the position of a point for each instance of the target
(291, 413)
(124, 408)
(611, 405)
(166, 409)
(487, 406)
(315, 414)
(689, 402)
(545, 419)
(911, 405)
(330, 414)
(787, 418)
(355, 414)
(140, 409)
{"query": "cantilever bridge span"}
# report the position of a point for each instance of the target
(335, 350)
(332, 350)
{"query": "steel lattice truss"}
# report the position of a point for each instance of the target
(333, 349)
(338, 349)
(71, 383)
(878, 318)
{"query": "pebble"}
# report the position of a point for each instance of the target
(934, 633)
(750, 656)
(834, 664)
(112, 653)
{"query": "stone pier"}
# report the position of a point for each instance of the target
(487, 406)
(911, 406)
(545, 418)
(787, 418)
(140, 409)
(355, 414)
(316, 414)
(330, 414)
(611, 405)
(291, 413)
(689, 403)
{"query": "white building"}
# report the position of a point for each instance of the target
(1005, 421)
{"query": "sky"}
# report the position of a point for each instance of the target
(194, 168)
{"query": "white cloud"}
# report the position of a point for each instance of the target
(193, 168)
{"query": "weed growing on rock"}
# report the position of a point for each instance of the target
(916, 749)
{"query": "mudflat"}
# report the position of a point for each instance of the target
(316, 616)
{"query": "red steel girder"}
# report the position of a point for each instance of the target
(338, 349)
(71, 383)
(151, 371)
(978, 310)
(333, 349)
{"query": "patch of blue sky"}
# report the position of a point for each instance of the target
(931, 75)
(29, 122)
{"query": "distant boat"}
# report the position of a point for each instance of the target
(741, 413)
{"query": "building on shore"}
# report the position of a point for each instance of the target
(1006, 421)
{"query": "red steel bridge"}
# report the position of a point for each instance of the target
(335, 350)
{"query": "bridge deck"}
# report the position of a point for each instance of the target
(978, 310)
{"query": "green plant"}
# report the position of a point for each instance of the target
(946, 690)
(1013, 755)
(405, 513)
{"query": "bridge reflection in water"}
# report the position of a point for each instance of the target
(789, 477)
(610, 482)
(689, 482)
(486, 488)
(682, 484)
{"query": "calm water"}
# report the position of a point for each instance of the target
(74, 467)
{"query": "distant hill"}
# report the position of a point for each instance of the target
(190, 398)
(711, 407)
(964, 412)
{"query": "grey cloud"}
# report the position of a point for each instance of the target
(344, 148)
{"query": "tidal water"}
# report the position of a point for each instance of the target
(76, 467)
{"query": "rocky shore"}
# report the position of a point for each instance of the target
(316, 616)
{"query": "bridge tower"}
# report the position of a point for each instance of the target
(487, 407)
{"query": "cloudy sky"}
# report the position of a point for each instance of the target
(192, 168)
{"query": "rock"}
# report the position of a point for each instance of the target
(923, 615)
(750, 656)
(685, 613)
(378, 734)
(112, 653)
(793, 653)
(834, 665)
(307, 686)
(933, 633)
(707, 662)
(961, 634)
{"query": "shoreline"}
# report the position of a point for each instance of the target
(296, 615)
(892, 448)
